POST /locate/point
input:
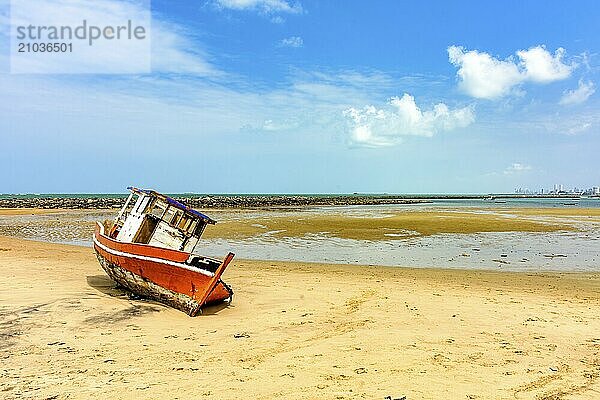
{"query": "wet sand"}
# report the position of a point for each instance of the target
(507, 239)
(297, 330)
(366, 227)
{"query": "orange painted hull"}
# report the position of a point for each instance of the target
(161, 274)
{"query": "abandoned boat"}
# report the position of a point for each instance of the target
(149, 249)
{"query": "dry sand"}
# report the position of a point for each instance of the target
(297, 331)
(28, 211)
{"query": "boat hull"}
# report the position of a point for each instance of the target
(161, 274)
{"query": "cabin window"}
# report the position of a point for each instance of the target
(175, 220)
(158, 210)
(180, 220)
(192, 227)
(141, 204)
(168, 217)
(187, 223)
(183, 223)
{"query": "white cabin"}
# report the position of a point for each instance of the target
(152, 218)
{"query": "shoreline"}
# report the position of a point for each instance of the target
(425, 270)
(523, 278)
(517, 239)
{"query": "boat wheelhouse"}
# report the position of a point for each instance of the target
(150, 250)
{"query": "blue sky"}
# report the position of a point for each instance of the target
(274, 96)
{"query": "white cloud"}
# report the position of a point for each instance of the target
(581, 94)
(167, 47)
(482, 76)
(574, 130)
(300, 109)
(104, 56)
(375, 127)
(263, 6)
(292, 41)
(541, 66)
(174, 52)
(516, 168)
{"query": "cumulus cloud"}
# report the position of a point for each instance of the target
(541, 66)
(263, 6)
(375, 127)
(292, 41)
(581, 94)
(483, 76)
(516, 168)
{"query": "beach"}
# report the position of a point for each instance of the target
(297, 330)
(300, 199)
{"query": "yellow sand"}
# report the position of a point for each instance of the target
(28, 211)
(559, 211)
(407, 224)
(297, 331)
(575, 213)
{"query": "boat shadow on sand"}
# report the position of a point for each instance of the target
(105, 285)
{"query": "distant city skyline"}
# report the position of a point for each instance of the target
(562, 189)
(304, 96)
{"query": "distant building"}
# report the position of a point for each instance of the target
(559, 189)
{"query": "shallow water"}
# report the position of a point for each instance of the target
(508, 251)
(500, 251)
